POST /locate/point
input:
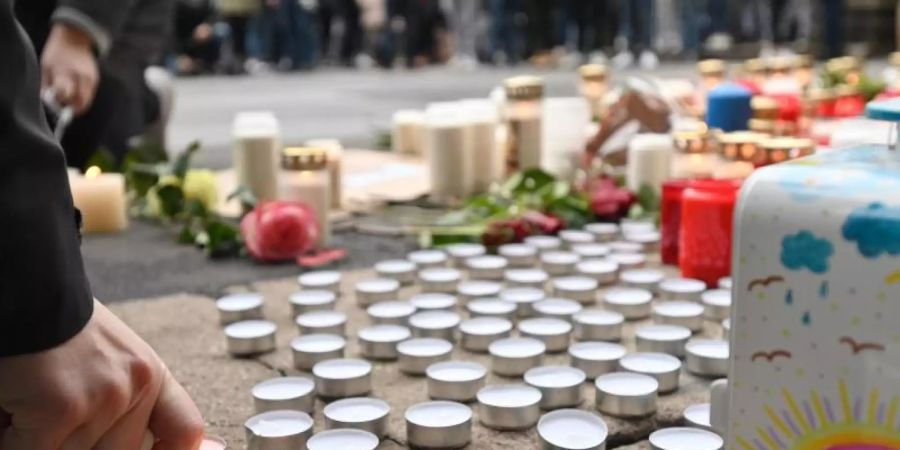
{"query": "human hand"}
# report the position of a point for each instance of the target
(203, 32)
(69, 67)
(101, 390)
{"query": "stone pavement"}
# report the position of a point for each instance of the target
(185, 331)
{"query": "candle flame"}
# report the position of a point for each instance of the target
(92, 172)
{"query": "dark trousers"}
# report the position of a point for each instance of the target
(834, 27)
(636, 24)
(504, 36)
(540, 36)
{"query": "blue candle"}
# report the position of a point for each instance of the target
(728, 107)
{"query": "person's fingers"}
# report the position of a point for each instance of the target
(110, 405)
(129, 431)
(43, 438)
(175, 422)
(65, 88)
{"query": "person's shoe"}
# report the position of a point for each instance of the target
(648, 60)
(718, 43)
(623, 60)
(767, 50)
(597, 57)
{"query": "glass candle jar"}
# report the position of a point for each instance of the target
(670, 219)
(707, 215)
(593, 86)
(848, 102)
(305, 178)
(712, 73)
(756, 71)
(742, 146)
(523, 119)
(780, 149)
(804, 70)
(764, 107)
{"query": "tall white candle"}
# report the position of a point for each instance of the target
(448, 155)
(563, 134)
(257, 142)
(101, 199)
(334, 151)
(481, 140)
(408, 132)
(524, 123)
(305, 179)
(649, 161)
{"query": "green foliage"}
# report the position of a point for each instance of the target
(103, 159)
(171, 199)
(245, 196)
(647, 205)
(383, 140)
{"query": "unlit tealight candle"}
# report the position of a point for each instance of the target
(603, 232)
(716, 304)
(518, 255)
(359, 413)
(626, 394)
(579, 288)
(311, 349)
(486, 267)
(303, 302)
(662, 339)
(322, 322)
(630, 302)
(554, 333)
(419, 353)
(697, 415)
(725, 283)
(292, 393)
(544, 243)
(391, 313)
(459, 253)
(397, 269)
(250, 337)
(379, 342)
(276, 430)
(573, 238)
(475, 289)
(341, 378)
(687, 289)
(647, 279)
(438, 424)
(558, 308)
(491, 307)
(436, 324)
(682, 313)
(433, 301)
(604, 271)
(559, 263)
(328, 280)
(424, 259)
(509, 406)
(662, 366)
(478, 334)
(707, 357)
(343, 438)
(512, 357)
(455, 380)
(376, 290)
(439, 279)
(572, 429)
(591, 250)
(524, 298)
(685, 438)
(526, 278)
(625, 247)
(597, 325)
(560, 386)
(237, 307)
(596, 358)
(628, 260)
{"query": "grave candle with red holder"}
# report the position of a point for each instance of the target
(707, 210)
(670, 219)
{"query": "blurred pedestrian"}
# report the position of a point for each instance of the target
(347, 13)
(196, 44)
(464, 16)
(237, 14)
(505, 39)
(426, 31)
(635, 37)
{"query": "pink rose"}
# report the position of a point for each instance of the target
(280, 230)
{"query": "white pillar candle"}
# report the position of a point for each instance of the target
(408, 132)
(571, 429)
(564, 121)
(343, 438)
(101, 199)
(481, 142)
(524, 123)
(684, 438)
(360, 413)
(649, 161)
(305, 178)
(449, 160)
(334, 151)
(256, 148)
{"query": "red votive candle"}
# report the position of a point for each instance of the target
(670, 219)
(707, 216)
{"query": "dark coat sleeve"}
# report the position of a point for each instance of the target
(45, 298)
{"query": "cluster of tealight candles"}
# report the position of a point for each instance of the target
(531, 299)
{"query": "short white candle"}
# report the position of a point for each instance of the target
(560, 308)
(717, 304)
(481, 128)
(662, 366)
(274, 428)
(391, 312)
(518, 255)
(662, 338)
(679, 312)
(649, 161)
(697, 415)
(439, 279)
(681, 289)
(439, 324)
(334, 152)
(647, 279)
(487, 307)
(596, 358)
(328, 280)
(543, 243)
(102, 201)
(256, 146)
(524, 299)
(360, 413)
(433, 301)
(591, 250)
(604, 271)
(311, 349)
(397, 269)
(449, 158)
(343, 438)
(554, 333)
(684, 438)
(628, 260)
(304, 178)
(438, 424)
(408, 132)
(311, 300)
(526, 278)
(571, 429)
(597, 325)
(630, 302)
(322, 322)
(292, 393)
(427, 258)
(475, 289)
(242, 306)
(603, 232)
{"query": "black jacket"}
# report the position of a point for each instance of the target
(45, 298)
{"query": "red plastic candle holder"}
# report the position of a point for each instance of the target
(670, 219)
(707, 216)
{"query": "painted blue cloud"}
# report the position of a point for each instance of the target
(875, 229)
(805, 250)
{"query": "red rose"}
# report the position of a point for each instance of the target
(279, 231)
(506, 231)
(610, 202)
(545, 223)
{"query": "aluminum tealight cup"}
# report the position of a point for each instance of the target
(433, 301)
(238, 307)
(391, 313)
(358, 413)
(526, 278)
(631, 303)
(438, 425)
(619, 247)
(685, 437)
(591, 250)
(439, 279)
(574, 238)
(559, 263)
(278, 430)
(544, 243)
(597, 325)
(679, 312)
(322, 322)
(343, 438)
(306, 301)
(459, 253)
(603, 232)
(668, 339)
(327, 280)
(646, 279)
(631, 226)
(716, 304)
(459, 381)
(491, 307)
(509, 406)
(518, 255)
(341, 378)
(419, 353)
(250, 337)
(628, 261)
(560, 386)
(579, 288)
(512, 357)
(604, 271)
(524, 298)
(424, 259)
(662, 366)
(596, 358)
(291, 393)
(476, 335)
(572, 429)
(475, 289)
(554, 333)
(625, 394)
(725, 283)
(376, 290)
(697, 415)
(557, 308)
(311, 349)
(397, 269)
(435, 324)
(379, 342)
(486, 267)
(648, 240)
(685, 289)
(707, 357)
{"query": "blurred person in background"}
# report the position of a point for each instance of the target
(636, 34)
(504, 36)
(426, 33)
(389, 40)
(196, 44)
(464, 16)
(287, 34)
(541, 37)
(581, 28)
(238, 15)
(347, 14)
(94, 55)
(704, 22)
(833, 10)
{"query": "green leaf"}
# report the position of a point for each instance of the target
(383, 140)
(222, 239)
(528, 181)
(245, 196)
(103, 159)
(187, 235)
(183, 161)
(171, 199)
(146, 151)
(196, 209)
(141, 177)
(648, 198)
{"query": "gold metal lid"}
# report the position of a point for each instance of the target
(804, 62)
(820, 94)
(524, 87)
(593, 72)
(789, 143)
(304, 158)
(781, 63)
(763, 103)
(846, 90)
(895, 59)
(755, 66)
(762, 125)
(711, 67)
(843, 64)
(742, 137)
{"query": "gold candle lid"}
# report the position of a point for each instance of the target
(755, 66)
(843, 64)
(846, 90)
(742, 137)
(895, 59)
(593, 72)
(304, 158)
(763, 103)
(821, 94)
(762, 125)
(711, 67)
(781, 64)
(804, 62)
(787, 143)
(524, 87)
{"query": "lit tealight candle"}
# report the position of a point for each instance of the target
(424, 259)
(303, 302)
(237, 307)
(596, 358)
(479, 333)
(628, 260)
(509, 406)
(518, 255)
(433, 301)
(328, 280)
(560, 386)
(417, 354)
(524, 298)
(212, 443)
(697, 415)
(574, 238)
(322, 322)
(591, 250)
(626, 394)
(707, 357)
(439, 279)
(662, 366)
(579, 288)
(554, 333)
(391, 313)
(292, 393)
(102, 201)
(379, 342)
(558, 308)
(603, 232)
(526, 278)
(455, 380)
(343, 438)
(475, 289)
(687, 289)
(685, 439)
(360, 413)
(716, 304)
(491, 307)
(341, 378)
(682, 313)
(662, 339)
(604, 271)
(438, 424)
(486, 267)
(572, 429)
(630, 302)
(250, 337)
(647, 279)
(311, 349)
(544, 243)
(512, 357)
(559, 263)
(597, 325)
(436, 324)
(459, 253)
(397, 269)
(281, 429)
(376, 290)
